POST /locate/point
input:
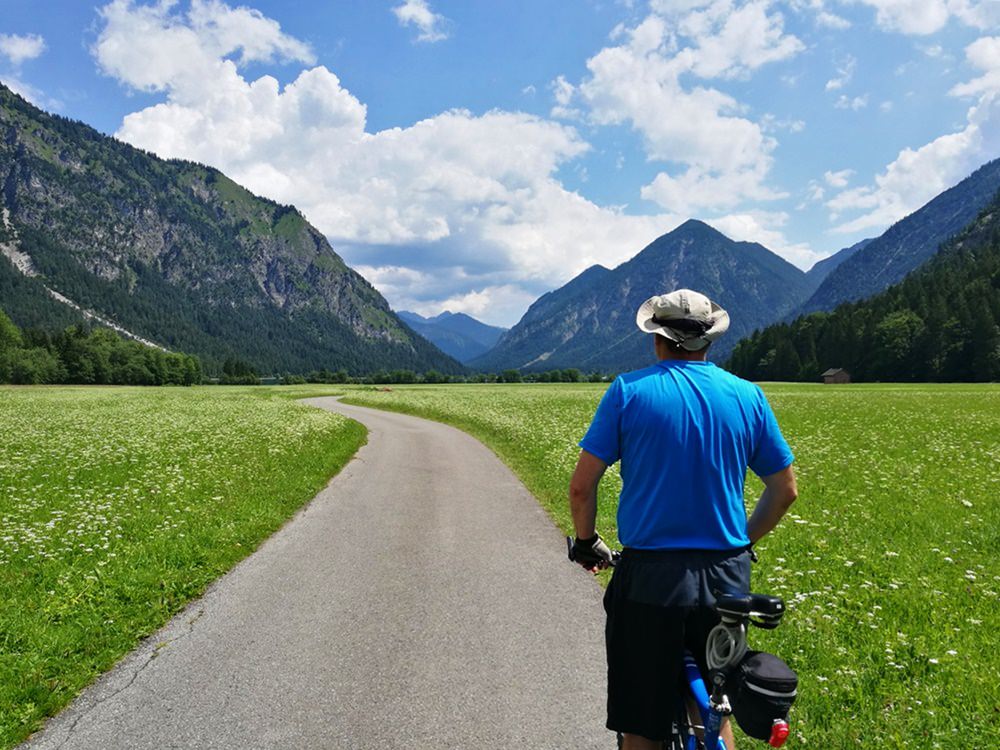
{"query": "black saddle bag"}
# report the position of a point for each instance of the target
(761, 690)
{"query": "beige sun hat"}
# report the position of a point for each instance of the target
(687, 318)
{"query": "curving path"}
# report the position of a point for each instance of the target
(422, 600)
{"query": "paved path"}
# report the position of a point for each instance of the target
(423, 600)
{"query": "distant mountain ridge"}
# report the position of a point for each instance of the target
(589, 323)
(178, 254)
(456, 334)
(907, 244)
(823, 268)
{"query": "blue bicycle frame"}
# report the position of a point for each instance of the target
(710, 718)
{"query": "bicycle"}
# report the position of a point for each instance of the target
(725, 653)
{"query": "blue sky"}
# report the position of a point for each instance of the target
(473, 155)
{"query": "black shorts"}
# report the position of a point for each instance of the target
(659, 603)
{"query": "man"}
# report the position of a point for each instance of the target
(685, 431)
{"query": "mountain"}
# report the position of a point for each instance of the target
(589, 323)
(908, 243)
(177, 254)
(939, 324)
(456, 334)
(821, 269)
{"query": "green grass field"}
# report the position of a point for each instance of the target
(118, 505)
(888, 561)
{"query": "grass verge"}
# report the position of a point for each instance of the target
(120, 505)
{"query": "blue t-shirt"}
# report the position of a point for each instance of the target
(685, 433)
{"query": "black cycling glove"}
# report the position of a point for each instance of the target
(591, 553)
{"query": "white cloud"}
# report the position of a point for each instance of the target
(769, 123)
(917, 175)
(838, 179)
(504, 302)
(643, 81)
(923, 17)
(764, 227)
(844, 74)
(815, 192)
(464, 202)
(832, 21)
(984, 55)
(563, 92)
(20, 47)
(855, 103)
(34, 95)
(910, 16)
(188, 53)
(418, 13)
(697, 189)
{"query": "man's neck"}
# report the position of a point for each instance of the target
(664, 353)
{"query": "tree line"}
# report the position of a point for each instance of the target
(233, 369)
(81, 355)
(939, 324)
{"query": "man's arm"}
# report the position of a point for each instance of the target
(779, 493)
(583, 493)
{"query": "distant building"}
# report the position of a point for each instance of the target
(836, 375)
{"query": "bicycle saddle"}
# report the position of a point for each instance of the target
(762, 610)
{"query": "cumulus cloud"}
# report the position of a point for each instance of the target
(923, 17)
(984, 55)
(449, 206)
(765, 227)
(184, 52)
(18, 48)
(645, 81)
(917, 175)
(430, 25)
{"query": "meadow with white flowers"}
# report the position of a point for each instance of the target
(119, 505)
(888, 561)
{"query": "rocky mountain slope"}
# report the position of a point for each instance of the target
(590, 322)
(821, 269)
(456, 334)
(178, 254)
(908, 243)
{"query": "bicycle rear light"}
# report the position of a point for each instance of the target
(779, 733)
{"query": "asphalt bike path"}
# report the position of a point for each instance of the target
(422, 600)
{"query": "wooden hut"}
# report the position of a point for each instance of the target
(836, 375)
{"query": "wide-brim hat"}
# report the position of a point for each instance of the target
(689, 319)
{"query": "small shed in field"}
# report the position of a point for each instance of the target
(836, 375)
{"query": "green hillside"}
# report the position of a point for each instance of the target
(181, 255)
(938, 324)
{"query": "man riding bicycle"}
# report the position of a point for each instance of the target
(685, 432)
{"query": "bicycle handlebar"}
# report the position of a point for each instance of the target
(615, 554)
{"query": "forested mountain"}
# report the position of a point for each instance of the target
(939, 324)
(590, 322)
(98, 356)
(179, 254)
(908, 243)
(456, 334)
